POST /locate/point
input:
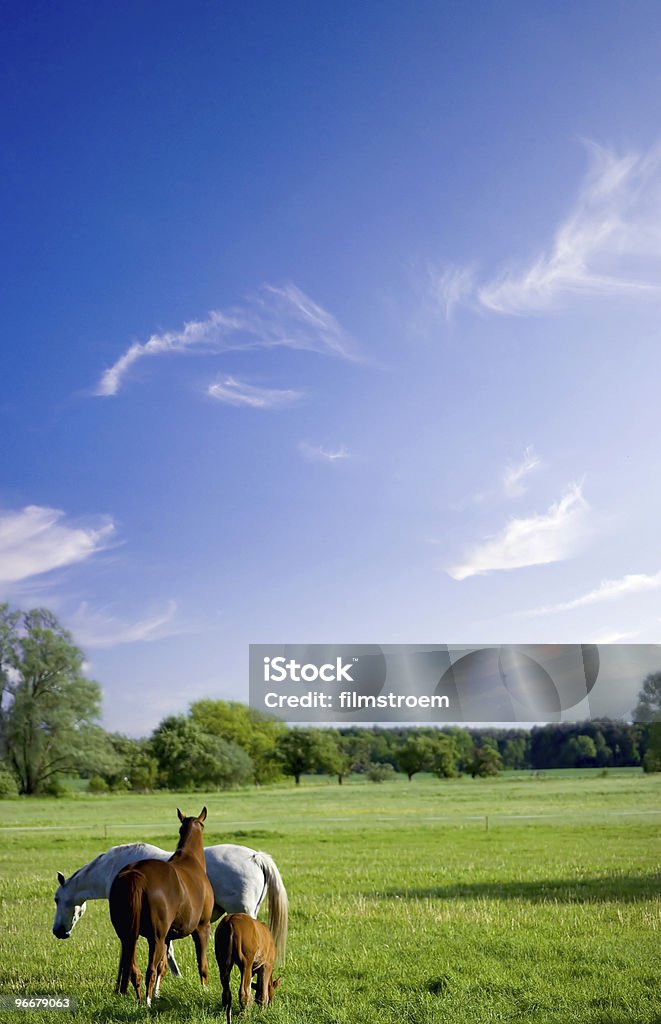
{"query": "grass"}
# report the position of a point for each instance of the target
(404, 905)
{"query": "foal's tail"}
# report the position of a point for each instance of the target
(126, 898)
(224, 947)
(278, 902)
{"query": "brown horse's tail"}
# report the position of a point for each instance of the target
(278, 902)
(126, 899)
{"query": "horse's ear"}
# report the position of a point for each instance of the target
(202, 816)
(60, 877)
(181, 817)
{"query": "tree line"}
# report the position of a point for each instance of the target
(49, 729)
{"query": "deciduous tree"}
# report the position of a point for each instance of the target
(486, 761)
(306, 750)
(417, 755)
(189, 758)
(648, 708)
(248, 728)
(48, 708)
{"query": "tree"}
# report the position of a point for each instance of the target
(302, 751)
(351, 753)
(445, 759)
(652, 759)
(486, 761)
(648, 708)
(248, 728)
(48, 709)
(604, 755)
(416, 755)
(132, 766)
(514, 752)
(189, 758)
(371, 746)
(579, 752)
(463, 743)
(623, 740)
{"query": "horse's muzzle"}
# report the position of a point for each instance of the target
(61, 933)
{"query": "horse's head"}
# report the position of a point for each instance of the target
(273, 984)
(67, 911)
(191, 826)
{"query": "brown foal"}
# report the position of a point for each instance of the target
(249, 944)
(163, 900)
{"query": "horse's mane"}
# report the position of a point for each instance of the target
(85, 867)
(89, 867)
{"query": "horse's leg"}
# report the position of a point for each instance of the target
(156, 954)
(245, 991)
(227, 994)
(174, 967)
(162, 971)
(129, 971)
(262, 986)
(136, 978)
(201, 940)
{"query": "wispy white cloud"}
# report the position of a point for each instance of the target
(275, 317)
(450, 288)
(315, 453)
(236, 392)
(516, 472)
(609, 245)
(614, 637)
(608, 590)
(36, 540)
(537, 540)
(99, 629)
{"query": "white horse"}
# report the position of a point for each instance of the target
(240, 879)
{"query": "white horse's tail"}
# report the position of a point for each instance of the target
(278, 902)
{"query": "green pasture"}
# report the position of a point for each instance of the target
(467, 901)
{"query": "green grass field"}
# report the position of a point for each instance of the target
(466, 901)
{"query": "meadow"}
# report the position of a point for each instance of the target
(467, 901)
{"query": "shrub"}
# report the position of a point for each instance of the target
(8, 784)
(56, 788)
(380, 772)
(97, 785)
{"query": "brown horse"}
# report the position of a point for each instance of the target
(249, 944)
(163, 900)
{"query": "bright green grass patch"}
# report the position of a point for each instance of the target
(404, 907)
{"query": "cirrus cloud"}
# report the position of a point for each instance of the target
(316, 453)
(608, 590)
(608, 246)
(236, 392)
(536, 540)
(275, 317)
(99, 629)
(516, 472)
(36, 540)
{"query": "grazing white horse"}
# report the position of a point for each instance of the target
(240, 879)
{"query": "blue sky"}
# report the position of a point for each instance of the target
(329, 325)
